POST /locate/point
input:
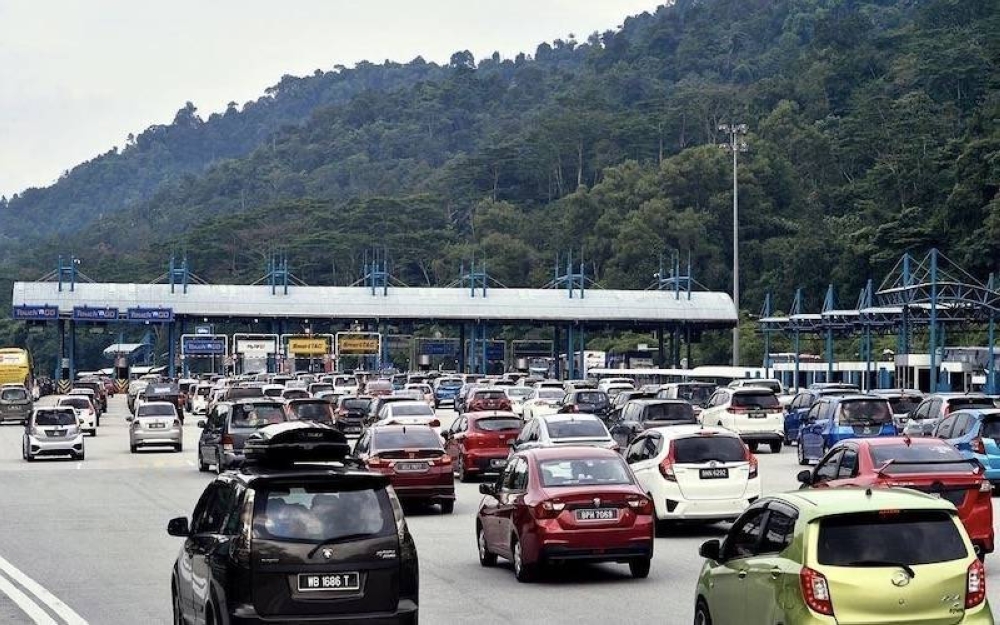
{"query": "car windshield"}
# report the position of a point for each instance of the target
(903, 405)
(695, 394)
(669, 412)
(406, 438)
(583, 472)
(772, 386)
(890, 536)
(495, 424)
(156, 410)
(55, 417)
(257, 415)
(865, 412)
(323, 513)
(412, 410)
(961, 403)
(755, 399)
(13, 394)
(990, 429)
(550, 394)
(700, 449)
(518, 391)
(593, 397)
(314, 411)
(356, 405)
(931, 458)
(77, 402)
(577, 428)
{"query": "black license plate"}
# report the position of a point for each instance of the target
(352, 429)
(344, 582)
(411, 467)
(758, 415)
(713, 474)
(597, 514)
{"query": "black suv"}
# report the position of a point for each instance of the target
(642, 414)
(587, 401)
(281, 542)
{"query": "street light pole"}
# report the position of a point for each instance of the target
(736, 144)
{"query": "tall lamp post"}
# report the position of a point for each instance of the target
(737, 143)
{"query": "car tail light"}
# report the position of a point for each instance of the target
(548, 509)
(244, 542)
(816, 591)
(435, 423)
(985, 486)
(441, 461)
(642, 505)
(752, 459)
(977, 446)
(571, 408)
(975, 584)
(667, 467)
(227, 443)
(375, 462)
(177, 423)
(737, 410)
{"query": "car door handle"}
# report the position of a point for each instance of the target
(775, 572)
(742, 574)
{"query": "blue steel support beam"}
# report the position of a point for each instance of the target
(933, 323)
(72, 350)
(171, 350)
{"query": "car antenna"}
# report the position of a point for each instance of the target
(906, 439)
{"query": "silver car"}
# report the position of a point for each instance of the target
(156, 423)
(52, 431)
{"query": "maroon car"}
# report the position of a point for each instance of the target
(483, 399)
(412, 456)
(479, 442)
(560, 504)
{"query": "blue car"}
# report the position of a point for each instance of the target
(800, 405)
(446, 390)
(975, 433)
(837, 418)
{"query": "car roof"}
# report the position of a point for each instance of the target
(252, 474)
(566, 453)
(408, 402)
(686, 430)
(484, 414)
(824, 502)
(648, 401)
(156, 403)
(749, 389)
(569, 416)
(853, 397)
(886, 441)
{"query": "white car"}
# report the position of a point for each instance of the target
(621, 383)
(416, 412)
(85, 411)
(199, 402)
(695, 473)
(549, 384)
(543, 401)
(272, 390)
(517, 396)
(753, 412)
(156, 423)
(564, 430)
(426, 393)
(614, 389)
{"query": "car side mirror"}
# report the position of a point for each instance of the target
(805, 477)
(446, 435)
(488, 489)
(711, 550)
(202, 424)
(178, 527)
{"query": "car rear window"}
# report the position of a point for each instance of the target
(316, 388)
(901, 405)
(762, 399)
(257, 415)
(495, 424)
(592, 397)
(490, 395)
(582, 428)
(406, 410)
(890, 536)
(203, 391)
(406, 438)
(583, 472)
(314, 411)
(699, 449)
(695, 394)
(241, 393)
(323, 513)
(147, 410)
(865, 411)
(669, 412)
(551, 394)
(77, 402)
(961, 403)
(295, 394)
(990, 429)
(919, 459)
(356, 405)
(13, 394)
(55, 417)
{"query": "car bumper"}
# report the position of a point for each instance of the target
(486, 462)
(413, 492)
(47, 446)
(172, 436)
(606, 545)
(762, 437)
(405, 614)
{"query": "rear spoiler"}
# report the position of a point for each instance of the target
(286, 443)
(976, 465)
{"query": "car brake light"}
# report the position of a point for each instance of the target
(548, 509)
(244, 542)
(975, 585)
(737, 410)
(435, 423)
(752, 459)
(177, 423)
(985, 487)
(227, 443)
(441, 461)
(375, 462)
(643, 505)
(977, 446)
(816, 591)
(667, 467)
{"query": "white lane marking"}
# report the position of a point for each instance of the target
(52, 602)
(25, 603)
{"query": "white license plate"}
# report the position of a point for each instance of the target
(758, 415)
(331, 582)
(157, 426)
(713, 474)
(410, 467)
(597, 514)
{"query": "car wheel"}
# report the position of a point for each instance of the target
(178, 615)
(179, 448)
(80, 456)
(485, 557)
(701, 614)
(447, 506)
(460, 470)
(133, 447)
(219, 468)
(776, 447)
(639, 567)
(753, 447)
(801, 453)
(523, 572)
(202, 465)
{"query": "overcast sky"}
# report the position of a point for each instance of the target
(76, 76)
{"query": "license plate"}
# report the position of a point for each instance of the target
(55, 433)
(758, 415)
(410, 467)
(597, 514)
(713, 474)
(352, 429)
(498, 463)
(157, 426)
(332, 582)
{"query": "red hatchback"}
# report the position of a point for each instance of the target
(483, 399)
(560, 504)
(926, 464)
(479, 442)
(415, 461)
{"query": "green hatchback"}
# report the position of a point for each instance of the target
(843, 556)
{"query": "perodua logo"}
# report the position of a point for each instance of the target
(900, 579)
(327, 553)
(597, 502)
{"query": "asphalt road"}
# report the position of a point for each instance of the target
(86, 542)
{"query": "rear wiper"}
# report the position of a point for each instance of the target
(337, 539)
(906, 567)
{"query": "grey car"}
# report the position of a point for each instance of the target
(156, 424)
(15, 403)
(564, 430)
(228, 425)
(934, 408)
(52, 431)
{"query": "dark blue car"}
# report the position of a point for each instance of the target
(976, 434)
(446, 390)
(801, 404)
(837, 418)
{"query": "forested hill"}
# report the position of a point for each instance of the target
(874, 129)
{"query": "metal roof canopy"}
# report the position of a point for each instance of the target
(708, 310)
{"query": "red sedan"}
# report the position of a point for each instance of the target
(479, 442)
(925, 464)
(413, 458)
(483, 399)
(559, 504)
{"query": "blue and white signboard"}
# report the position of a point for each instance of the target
(35, 313)
(152, 315)
(85, 313)
(199, 346)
